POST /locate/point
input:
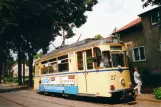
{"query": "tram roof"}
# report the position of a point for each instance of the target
(81, 44)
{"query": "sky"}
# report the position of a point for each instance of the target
(106, 15)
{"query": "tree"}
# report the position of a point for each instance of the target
(38, 55)
(10, 62)
(5, 59)
(98, 36)
(12, 40)
(151, 2)
(38, 23)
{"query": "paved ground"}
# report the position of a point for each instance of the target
(147, 96)
(18, 97)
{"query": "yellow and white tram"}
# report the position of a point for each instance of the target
(89, 68)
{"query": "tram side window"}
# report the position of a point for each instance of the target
(89, 59)
(98, 57)
(50, 68)
(53, 68)
(53, 65)
(63, 64)
(80, 60)
(44, 70)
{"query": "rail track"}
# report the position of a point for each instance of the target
(94, 101)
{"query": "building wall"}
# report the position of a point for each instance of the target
(152, 40)
(15, 70)
(134, 38)
(148, 36)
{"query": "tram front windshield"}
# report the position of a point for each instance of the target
(118, 59)
(106, 59)
(113, 58)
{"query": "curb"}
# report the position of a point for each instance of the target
(152, 100)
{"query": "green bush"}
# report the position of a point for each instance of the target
(14, 79)
(157, 93)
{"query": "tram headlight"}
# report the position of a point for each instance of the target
(122, 81)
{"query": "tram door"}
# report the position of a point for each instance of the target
(82, 75)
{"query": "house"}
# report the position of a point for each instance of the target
(14, 70)
(142, 39)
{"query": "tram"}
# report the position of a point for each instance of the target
(87, 68)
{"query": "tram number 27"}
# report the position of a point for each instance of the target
(113, 77)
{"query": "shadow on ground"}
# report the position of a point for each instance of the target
(97, 100)
(6, 89)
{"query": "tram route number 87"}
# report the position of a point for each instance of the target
(113, 77)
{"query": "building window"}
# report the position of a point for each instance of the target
(154, 18)
(138, 54)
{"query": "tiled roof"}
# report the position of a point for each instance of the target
(131, 24)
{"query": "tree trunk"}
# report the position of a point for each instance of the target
(44, 50)
(24, 71)
(19, 68)
(30, 70)
(1, 66)
(5, 72)
(1, 62)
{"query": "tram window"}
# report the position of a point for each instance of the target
(89, 59)
(63, 57)
(80, 60)
(50, 69)
(52, 60)
(106, 59)
(97, 54)
(53, 68)
(44, 62)
(63, 64)
(63, 67)
(44, 70)
(118, 60)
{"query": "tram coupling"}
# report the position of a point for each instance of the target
(128, 95)
(124, 94)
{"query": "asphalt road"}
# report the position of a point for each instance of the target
(18, 97)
